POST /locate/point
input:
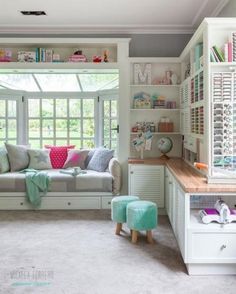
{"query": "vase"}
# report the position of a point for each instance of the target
(174, 79)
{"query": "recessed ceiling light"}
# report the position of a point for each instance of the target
(33, 12)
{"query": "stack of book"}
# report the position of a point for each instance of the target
(44, 55)
(225, 55)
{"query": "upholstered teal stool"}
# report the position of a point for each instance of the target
(141, 216)
(118, 210)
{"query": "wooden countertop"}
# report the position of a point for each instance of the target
(190, 180)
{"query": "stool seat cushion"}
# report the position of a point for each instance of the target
(118, 207)
(141, 215)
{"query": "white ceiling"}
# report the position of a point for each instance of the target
(107, 16)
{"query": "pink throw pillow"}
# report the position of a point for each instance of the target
(76, 158)
(58, 155)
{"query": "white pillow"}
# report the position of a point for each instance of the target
(39, 159)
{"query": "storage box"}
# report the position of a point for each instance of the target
(165, 127)
(5, 55)
(26, 56)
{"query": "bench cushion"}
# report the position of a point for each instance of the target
(92, 181)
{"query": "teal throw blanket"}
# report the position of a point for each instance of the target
(37, 184)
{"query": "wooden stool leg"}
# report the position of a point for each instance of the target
(134, 236)
(118, 228)
(149, 237)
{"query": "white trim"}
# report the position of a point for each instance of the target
(197, 15)
(219, 8)
(98, 29)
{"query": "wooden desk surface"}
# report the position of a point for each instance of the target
(190, 180)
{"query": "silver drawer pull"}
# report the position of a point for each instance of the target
(223, 247)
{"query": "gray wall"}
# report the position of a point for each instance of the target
(229, 10)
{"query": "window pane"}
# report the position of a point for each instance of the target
(106, 109)
(114, 145)
(2, 129)
(94, 82)
(88, 107)
(75, 142)
(47, 142)
(106, 128)
(74, 107)
(11, 141)
(106, 143)
(47, 107)
(33, 108)
(61, 108)
(12, 128)
(61, 128)
(34, 128)
(19, 82)
(48, 128)
(61, 142)
(88, 144)
(35, 144)
(88, 128)
(74, 128)
(11, 108)
(114, 108)
(2, 108)
(58, 82)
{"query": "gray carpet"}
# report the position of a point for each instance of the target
(77, 252)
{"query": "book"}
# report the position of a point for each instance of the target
(218, 53)
(226, 52)
(230, 52)
(216, 59)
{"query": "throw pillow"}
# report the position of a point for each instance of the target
(39, 159)
(4, 162)
(100, 159)
(58, 155)
(18, 156)
(89, 157)
(76, 158)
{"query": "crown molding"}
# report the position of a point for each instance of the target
(219, 7)
(124, 29)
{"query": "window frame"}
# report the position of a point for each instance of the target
(23, 116)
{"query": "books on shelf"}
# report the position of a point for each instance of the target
(217, 55)
(226, 54)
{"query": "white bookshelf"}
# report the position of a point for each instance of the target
(171, 92)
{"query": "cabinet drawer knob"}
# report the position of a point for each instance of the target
(21, 203)
(131, 172)
(223, 247)
(109, 202)
(69, 203)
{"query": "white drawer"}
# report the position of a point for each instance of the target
(52, 203)
(213, 246)
(106, 202)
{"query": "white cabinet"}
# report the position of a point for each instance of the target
(175, 208)
(147, 182)
(211, 98)
(206, 249)
(180, 219)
